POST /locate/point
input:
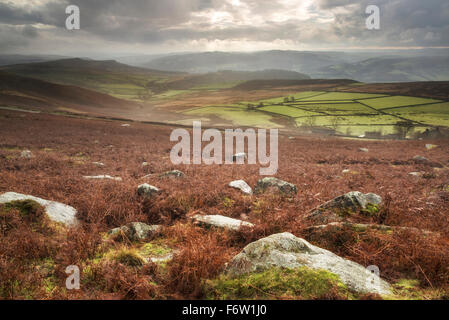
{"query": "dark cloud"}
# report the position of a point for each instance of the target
(306, 23)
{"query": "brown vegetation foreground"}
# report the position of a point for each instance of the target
(64, 149)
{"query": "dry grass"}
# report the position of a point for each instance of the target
(64, 149)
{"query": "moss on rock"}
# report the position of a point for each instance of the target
(276, 283)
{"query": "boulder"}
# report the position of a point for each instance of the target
(416, 174)
(147, 191)
(363, 150)
(26, 154)
(242, 186)
(174, 174)
(346, 206)
(56, 211)
(221, 222)
(287, 251)
(135, 231)
(145, 164)
(102, 177)
(431, 146)
(274, 185)
(98, 164)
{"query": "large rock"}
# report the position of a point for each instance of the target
(287, 251)
(242, 186)
(346, 206)
(56, 211)
(222, 222)
(135, 231)
(274, 185)
(147, 191)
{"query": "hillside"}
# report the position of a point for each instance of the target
(108, 76)
(23, 92)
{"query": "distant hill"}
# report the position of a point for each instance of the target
(385, 66)
(299, 61)
(8, 59)
(391, 69)
(232, 78)
(110, 77)
(22, 92)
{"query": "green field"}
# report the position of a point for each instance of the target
(346, 113)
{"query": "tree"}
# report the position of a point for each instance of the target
(403, 128)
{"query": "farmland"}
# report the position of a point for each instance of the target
(346, 113)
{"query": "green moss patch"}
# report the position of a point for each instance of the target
(279, 283)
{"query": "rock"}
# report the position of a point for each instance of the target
(174, 174)
(56, 211)
(26, 154)
(345, 206)
(145, 164)
(420, 159)
(363, 150)
(241, 185)
(275, 185)
(147, 191)
(287, 251)
(346, 171)
(242, 156)
(126, 125)
(221, 222)
(416, 174)
(135, 231)
(98, 164)
(103, 177)
(431, 146)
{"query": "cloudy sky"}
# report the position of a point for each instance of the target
(156, 26)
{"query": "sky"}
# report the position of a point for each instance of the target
(126, 27)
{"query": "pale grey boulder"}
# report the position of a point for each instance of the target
(147, 191)
(26, 154)
(287, 251)
(135, 231)
(366, 150)
(274, 185)
(242, 186)
(346, 206)
(56, 211)
(222, 222)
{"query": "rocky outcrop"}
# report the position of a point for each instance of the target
(346, 207)
(287, 251)
(56, 211)
(274, 185)
(134, 231)
(222, 222)
(147, 191)
(242, 186)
